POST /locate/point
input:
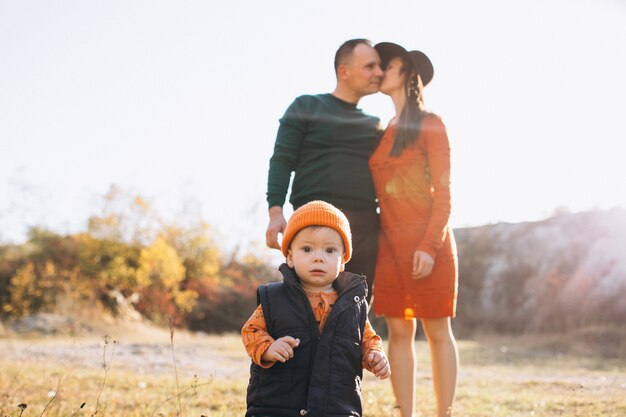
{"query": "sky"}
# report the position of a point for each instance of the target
(179, 101)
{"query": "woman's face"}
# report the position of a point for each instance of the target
(394, 77)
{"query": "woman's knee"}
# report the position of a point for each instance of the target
(438, 330)
(401, 329)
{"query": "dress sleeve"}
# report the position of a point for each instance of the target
(255, 337)
(438, 155)
(371, 343)
(291, 132)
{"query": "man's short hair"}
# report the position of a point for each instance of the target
(346, 49)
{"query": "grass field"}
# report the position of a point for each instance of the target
(133, 377)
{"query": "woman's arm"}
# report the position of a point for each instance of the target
(438, 155)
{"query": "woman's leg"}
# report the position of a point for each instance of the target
(444, 358)
(402, 361)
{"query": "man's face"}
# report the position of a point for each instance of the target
(363, 74)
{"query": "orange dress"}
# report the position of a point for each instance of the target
(413, 193)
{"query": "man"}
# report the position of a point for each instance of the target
(326, 140)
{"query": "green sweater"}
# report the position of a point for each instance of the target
(327, 143)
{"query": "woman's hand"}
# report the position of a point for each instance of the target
(422, 264)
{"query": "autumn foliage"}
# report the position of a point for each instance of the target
(128, 256)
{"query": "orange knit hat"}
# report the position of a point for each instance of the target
(318, 213)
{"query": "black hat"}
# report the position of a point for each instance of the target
(421, 63)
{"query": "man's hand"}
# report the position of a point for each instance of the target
(422, 264)
(281, 350)
(379, 365)
(277, 225)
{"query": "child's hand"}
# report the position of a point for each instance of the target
(379, 365)
(281, 350)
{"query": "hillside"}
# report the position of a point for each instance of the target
(563, 273)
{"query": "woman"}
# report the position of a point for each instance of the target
(416, 269)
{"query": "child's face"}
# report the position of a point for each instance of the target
(316, 253)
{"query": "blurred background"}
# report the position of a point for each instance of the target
(135, 139)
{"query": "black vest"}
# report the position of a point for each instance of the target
(323, 379)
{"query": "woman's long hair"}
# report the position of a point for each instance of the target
(410, 119)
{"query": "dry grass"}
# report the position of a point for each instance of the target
(499, 377)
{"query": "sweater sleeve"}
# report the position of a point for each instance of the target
(438, 154)
(291, 132)
(255, 337)
(372, 342)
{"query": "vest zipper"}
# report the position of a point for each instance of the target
(315, 337)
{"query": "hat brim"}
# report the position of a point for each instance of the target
(421, 63)
(424, 66)
(388, 50)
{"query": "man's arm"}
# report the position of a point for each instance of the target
(277, 225)
(283, 162)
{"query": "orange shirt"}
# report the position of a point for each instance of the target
(256, 339)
